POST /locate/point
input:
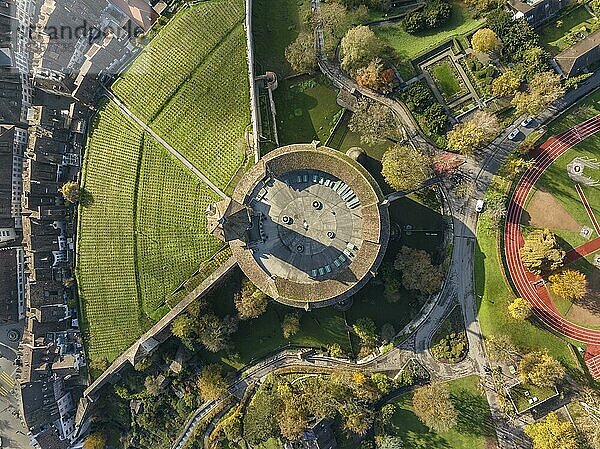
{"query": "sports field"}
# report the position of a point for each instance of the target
(144, 233)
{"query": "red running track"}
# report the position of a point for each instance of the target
(537, 295)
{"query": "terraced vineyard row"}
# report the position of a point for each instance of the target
(172, 240)
(106, 259)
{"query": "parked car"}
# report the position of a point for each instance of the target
(527, 121)
(515, 132)
(479, 206)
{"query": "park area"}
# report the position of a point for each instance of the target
(474, 429)
(142, 241)
(557, 200)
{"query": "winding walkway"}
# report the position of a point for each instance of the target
(527, 283)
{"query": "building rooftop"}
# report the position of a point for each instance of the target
(315, 230)
(568, 58)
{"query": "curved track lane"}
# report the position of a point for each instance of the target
(525, 281)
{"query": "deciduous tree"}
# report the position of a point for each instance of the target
(406, 168)
(212, 383)
(507, 84)
(476, 132)
(290, 325)
(389, 442)
(533, 61)
(519, 309)
(541, 369)
(184, 327)
(501, 348)
(374, 122)
(358, 420)
(359, 46)
(484, 41)
(374, 77)
(214, 333)
(552, 433)
(250, 302)
(541, 251)
(70, 192)
(366, 330)
(433, 407)
(301, 54)
(569, 284)
(544, 89)
(95, 440)
(418, 273)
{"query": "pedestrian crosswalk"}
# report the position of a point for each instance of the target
(6, 383)
(4, 377)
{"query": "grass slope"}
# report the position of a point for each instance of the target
(553, 37)
(494, 297)
(409, 46)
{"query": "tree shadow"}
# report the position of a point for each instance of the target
(86, 199)
(473, 414)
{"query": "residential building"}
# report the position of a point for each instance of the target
(536, 12)
(582, 57)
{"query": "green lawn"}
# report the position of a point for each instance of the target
(445, 79)
(276, 24)
(555, 38)
(521, 393)
(408, 46)
(474, 420)
(306, 110)
(494, 296)
(198, 85)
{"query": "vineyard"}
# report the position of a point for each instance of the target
(142, 242)
(172, 240)
(106, 249)
(191, 86)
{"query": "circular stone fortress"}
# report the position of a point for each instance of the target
(306, 225)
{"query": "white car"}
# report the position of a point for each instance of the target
(479, 206)
(515, 132)
(527, 121)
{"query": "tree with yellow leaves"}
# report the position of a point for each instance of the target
(544, 89)
(569, 284)
(477, 132)
(552, 433)
(506, 85)
(519, 309)
(541, 369)
(484, 41)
